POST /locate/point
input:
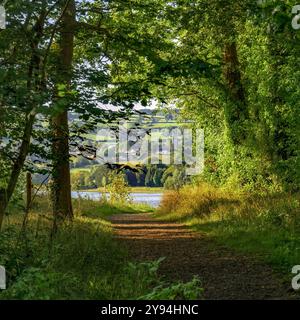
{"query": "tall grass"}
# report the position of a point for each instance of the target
(265, 225)
(81, 261)
(104, 208)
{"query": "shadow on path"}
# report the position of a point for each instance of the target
(224, 273)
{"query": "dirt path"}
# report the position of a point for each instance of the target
(224, 274)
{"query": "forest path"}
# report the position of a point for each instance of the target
(224, 274)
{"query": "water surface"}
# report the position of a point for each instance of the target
(152, 199)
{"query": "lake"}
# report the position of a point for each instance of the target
(152, 199)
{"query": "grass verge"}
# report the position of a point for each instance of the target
(82, 260)
(267, 226)
(103, 208)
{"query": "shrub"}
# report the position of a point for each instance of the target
(179, 291)
(118, 188)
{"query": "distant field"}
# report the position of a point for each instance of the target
(84, 169)
(160, 124)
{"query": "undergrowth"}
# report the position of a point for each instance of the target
(265, 225)
(82, 260)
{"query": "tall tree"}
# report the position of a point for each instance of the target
(62, 203)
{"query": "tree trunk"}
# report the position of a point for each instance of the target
(28, 191)
(6, 194)
(236, 109)
(3, 205)
(232, 73)
(62, 204)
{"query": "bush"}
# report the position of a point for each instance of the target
(118, 188)
(179, 291)
(197, 201)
